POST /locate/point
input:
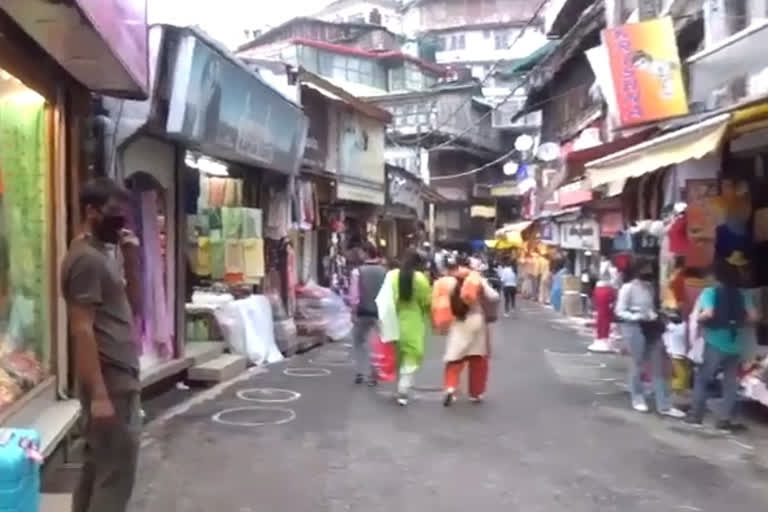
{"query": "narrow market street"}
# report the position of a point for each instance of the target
(554, 434)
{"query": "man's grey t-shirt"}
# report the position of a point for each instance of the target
(91, 276)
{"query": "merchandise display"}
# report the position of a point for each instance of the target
(25, 343)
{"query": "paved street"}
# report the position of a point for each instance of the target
(555, 434)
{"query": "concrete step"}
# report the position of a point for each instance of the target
(223, 367)
(199, 352)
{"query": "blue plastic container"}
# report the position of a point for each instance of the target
(19, 475)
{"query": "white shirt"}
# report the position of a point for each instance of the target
(507, 276)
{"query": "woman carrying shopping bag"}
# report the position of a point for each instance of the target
(412, 297)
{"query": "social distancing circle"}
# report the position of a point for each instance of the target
(306, 372)
(268, 395)
(254, 416)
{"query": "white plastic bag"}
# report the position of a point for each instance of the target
(674, 340)
(385, 303)
(249, 330)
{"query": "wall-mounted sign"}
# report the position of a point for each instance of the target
(505, 190)
(230, 112)
(549, 233)
(647, 75)
(581, 234)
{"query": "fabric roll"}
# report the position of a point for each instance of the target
(253, 259)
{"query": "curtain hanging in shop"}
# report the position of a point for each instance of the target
(691, 142)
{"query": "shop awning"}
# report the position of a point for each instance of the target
(512, 229)
(688, 143)
(103, 45)
(336, 93)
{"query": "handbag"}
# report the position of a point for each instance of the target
(490, 308)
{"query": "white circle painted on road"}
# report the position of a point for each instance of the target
(268, 395)
(306, 372)
(284, 416)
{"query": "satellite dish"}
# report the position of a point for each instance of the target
(510, 168)
(548, 151)
(524, 142)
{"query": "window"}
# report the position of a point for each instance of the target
(414, 80)
(502, 40)
(308, 58)
(441, 43)
(458, 42)
(25, 258)
(397, 79)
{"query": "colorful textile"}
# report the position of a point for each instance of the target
(234, 266)
(252, 223)
(232, 223)
(253, 259)
(217, 256)
(203, 256)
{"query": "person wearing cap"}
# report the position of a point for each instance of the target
(636, 309)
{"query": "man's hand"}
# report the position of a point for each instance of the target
(128, 239)
(102, 411)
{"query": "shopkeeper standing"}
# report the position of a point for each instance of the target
(101, 301)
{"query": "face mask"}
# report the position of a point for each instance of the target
(108, 229)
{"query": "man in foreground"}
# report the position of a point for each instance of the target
(101, 301)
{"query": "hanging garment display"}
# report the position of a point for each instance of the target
(278, 215)
(203, 268)
(253, 256)
(233, 261)
(252, 223)
(291, 278)
(156, 329)
(217, 257)
(231, 222)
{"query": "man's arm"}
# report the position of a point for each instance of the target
(354, 290)
(86, 350)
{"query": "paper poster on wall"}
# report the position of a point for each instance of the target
(646, 70)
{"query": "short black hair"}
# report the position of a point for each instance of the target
(97, 192)
(370, 250)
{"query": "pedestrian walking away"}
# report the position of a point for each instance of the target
(468, 340)
(102, 299)
(412, 297)
(508, 278)
(365, 283)
(641, 331)
(725, 311)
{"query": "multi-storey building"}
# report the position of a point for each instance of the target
(386, 13)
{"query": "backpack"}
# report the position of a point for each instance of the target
(459, 307)
(730, 311)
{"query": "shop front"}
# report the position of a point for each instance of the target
(211, 160)
(43, 105)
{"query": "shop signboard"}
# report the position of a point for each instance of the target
(549, 233)
(361, 157)
(646, 70)
(230, 113)
(581, 234)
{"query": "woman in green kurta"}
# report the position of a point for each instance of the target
(413, 298)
